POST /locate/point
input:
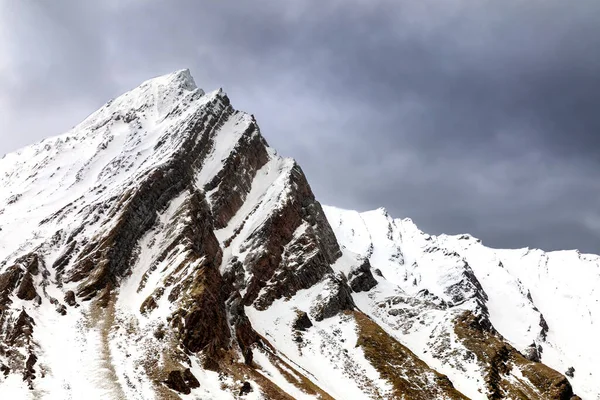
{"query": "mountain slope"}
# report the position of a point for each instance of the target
(436, 294)
(162, 250)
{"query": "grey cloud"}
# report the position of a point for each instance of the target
(475, 116)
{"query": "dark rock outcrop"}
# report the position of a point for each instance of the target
(361, 279)
(245, 389)
(16, 342)
(19, 333)
(276, 268)
(9, 280)
(302, 322)
(70, 298)
(544, 328)
(17, 280)
(229, 187)
(29, 373)
(26, 289)
(201, 319)
(182, 381)
(533, 352)
(245, 334)
(337, 297)
(467, 288)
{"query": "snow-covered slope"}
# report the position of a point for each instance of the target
(162, 250)
(545, 305)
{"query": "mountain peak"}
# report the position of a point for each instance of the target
(181, 78)
(153, 99)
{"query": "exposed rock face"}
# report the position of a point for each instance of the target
(201, 320)
(26, 289)
(16, 344)
(533, 353)
(229, 188)
(361, 279)
(293, 250)
(18, 279)
(182, 381)
(162, 249)
(70, 298)
(8, 282)
(245, 389)
(302, 322)
(336, 299)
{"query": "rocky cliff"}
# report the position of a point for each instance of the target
(162, 250)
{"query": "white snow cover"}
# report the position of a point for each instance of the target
(327, 354)
(103, 152)
(521, 286)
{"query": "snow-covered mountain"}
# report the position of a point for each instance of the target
(460, 305)
(162, 250)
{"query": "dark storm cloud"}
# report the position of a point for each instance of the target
(473, 116)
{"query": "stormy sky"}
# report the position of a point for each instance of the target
(478, 116)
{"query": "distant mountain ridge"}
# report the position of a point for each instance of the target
(162, 250)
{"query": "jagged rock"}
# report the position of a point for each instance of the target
(32, 263)
(29, 373)
(148, 305)
(533, 352)
(182, 381)
(544, 328)
(245, 389)
(16, 280)
(201, 320)
(190, 379)
(361, 279)
(302, 322)
(26, 290)
(70, 298)
(136, 212)
(245, 334)
(8, 282)
(468, 287)
(337, 299)
(273, 262)
(20, 332)
(229, 188)
(61, 309)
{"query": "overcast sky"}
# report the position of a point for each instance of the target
(465, 115)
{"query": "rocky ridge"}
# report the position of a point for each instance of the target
(161, 249)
